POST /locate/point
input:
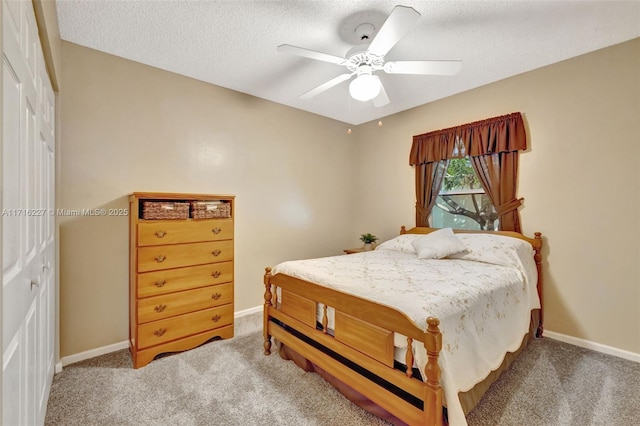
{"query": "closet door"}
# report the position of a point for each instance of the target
(28, 251)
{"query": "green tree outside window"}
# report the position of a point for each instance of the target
(462, 202)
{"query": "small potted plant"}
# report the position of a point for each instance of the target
(368, 239)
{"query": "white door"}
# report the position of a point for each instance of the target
(28, 251)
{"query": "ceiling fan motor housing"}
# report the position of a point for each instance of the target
(357, 57)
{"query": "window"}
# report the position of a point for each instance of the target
(494, 145)
(462, 202)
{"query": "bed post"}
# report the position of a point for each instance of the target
(538, 259)
(267, 305)
(433, 390)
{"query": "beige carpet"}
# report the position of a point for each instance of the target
(221, 383)
(232, 383)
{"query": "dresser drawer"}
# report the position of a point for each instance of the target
(169, 305)
(165, 330)
(172, 280)
(155, 258)
(184, 231)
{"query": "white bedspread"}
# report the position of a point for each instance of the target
(484, 309)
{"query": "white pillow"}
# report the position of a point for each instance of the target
(438, 244)
(399, 243)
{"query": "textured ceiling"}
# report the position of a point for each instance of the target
(233, 43)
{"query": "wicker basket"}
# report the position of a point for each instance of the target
(210, 209)
(165, 210)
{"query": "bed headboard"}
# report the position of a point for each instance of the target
(536, 241)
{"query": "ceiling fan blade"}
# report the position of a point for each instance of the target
(400, 20)
(326, 86)
(423, 67)
(382, 99)
(312, 54)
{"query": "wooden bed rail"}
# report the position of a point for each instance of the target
(363, 335)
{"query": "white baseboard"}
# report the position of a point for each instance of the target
(249, 311)
(620, 353)
(71, 359)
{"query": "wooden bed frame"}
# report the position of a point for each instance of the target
(360, 352)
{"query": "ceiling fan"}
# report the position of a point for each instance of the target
(363, 62)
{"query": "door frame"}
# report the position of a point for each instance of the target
(51, 43)
(1, 174)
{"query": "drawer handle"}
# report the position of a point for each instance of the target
(160, 258)
(160, 283)
(216, 318)
(216, 230)
(160, 332)
(216, 274)
(216, 252)
(160, 234)
(160, 308)
(216, 296)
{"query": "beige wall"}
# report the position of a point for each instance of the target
(305, 188)
(129, 127)
(580, 180)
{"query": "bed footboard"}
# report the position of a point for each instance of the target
(359, 348)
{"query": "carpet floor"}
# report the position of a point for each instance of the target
(232, 383)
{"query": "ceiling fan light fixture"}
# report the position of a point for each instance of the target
(365, 87)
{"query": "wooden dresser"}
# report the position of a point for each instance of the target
(180, 272)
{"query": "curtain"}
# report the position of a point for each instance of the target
(493, 145)
(497, 173)
(429, 177)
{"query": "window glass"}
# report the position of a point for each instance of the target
(462, 202)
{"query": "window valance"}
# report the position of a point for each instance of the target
(505, 133)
